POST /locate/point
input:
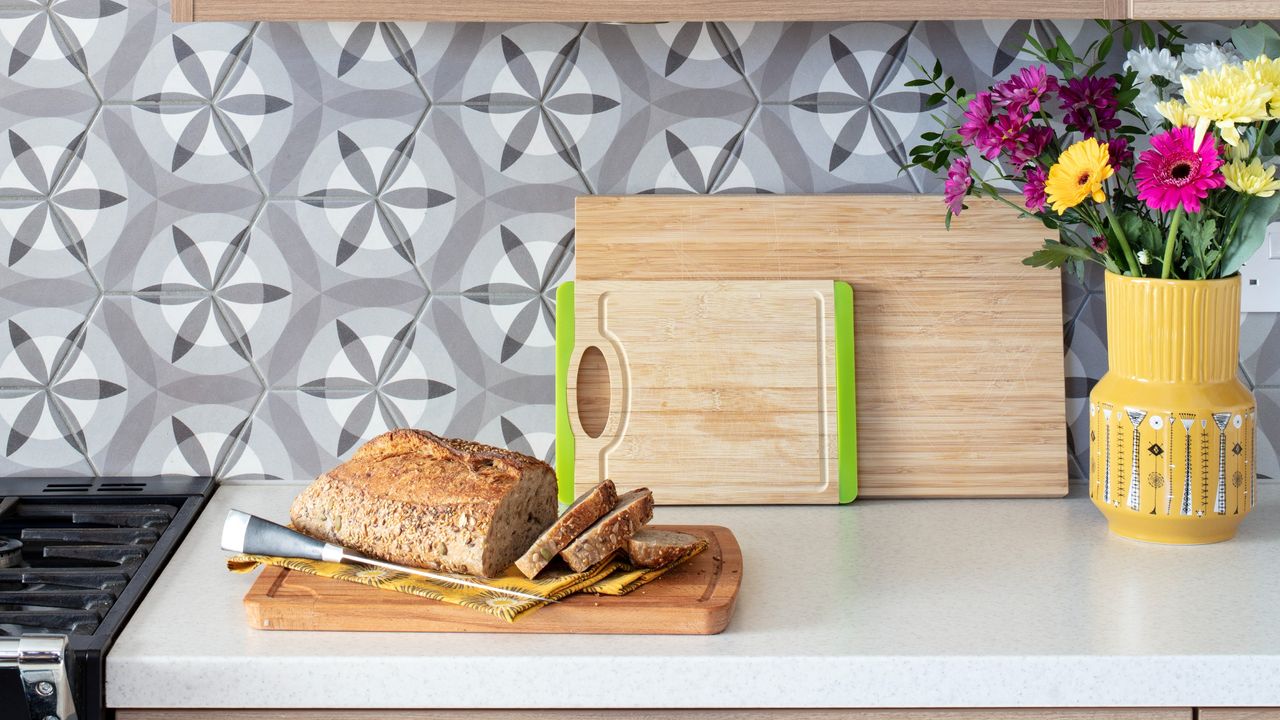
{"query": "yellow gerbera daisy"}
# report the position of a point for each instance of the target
(1225, 97)
(1267, 72)
(1176, 112)
(1078, 175)
(1251, 179)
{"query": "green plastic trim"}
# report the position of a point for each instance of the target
(846, 398)
(564, 431)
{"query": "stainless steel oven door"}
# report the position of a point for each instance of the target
(33, 679)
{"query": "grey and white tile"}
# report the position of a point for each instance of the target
(62, 388)
(287, 249)
(63, 198)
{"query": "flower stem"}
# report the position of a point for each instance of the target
(1231, 234)
(1172, 242)
(1124, 241)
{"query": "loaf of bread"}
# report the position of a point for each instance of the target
(658, 548)
(610, 533)
(414, 498)
(584, 511)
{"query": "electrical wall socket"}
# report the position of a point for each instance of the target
(1260, 276)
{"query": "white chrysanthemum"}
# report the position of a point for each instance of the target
(1144, 257)
(1208, 56)
(1148, 63)
(1149, 96)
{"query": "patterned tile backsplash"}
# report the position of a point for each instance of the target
(239, 249)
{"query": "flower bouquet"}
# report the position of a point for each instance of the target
(1162, 168)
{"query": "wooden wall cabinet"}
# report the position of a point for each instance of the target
(648, 10)
(1204, 9)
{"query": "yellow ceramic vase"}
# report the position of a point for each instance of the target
(1171, 427)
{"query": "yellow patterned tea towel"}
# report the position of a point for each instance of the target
(550, 585)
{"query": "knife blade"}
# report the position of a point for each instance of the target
(245, 533)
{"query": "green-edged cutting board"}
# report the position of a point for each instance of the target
(707, 392)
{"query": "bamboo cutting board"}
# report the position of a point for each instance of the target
(959, 346)
(696, 598)
(708, 392)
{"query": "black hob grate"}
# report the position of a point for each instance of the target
(76, 557)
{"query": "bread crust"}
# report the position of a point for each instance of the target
(659, 548)
(414, 498)
(611, 532)
(584, 511)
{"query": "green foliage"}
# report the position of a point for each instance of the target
(1055, 254)
(1142, 234)
(1199, 234)
(1250, 235)
(1256, 39)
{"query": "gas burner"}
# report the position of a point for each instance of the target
(10, 553)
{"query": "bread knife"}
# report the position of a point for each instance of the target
(245, 533)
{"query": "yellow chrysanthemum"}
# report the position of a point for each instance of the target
(1242, 151)
(1267, 72)
(1225, 97)
(1176, 112)
(1251, 179)
(1078, 175)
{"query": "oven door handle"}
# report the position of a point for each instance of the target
(42, 687)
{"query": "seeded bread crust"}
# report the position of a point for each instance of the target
(659, 548)
(414, 498)
(581, 514)
(611, 532)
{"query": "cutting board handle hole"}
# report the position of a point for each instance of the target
(593, 392)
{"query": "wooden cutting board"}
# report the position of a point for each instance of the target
(959, 345)
(708, 392)
(696, 598)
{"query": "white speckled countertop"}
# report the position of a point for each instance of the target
(977, 603)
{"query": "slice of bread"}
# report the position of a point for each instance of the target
(659, 548)
(610, 533)
(584, 511)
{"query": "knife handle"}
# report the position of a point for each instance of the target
(245, 533)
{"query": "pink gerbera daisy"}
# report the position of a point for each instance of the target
(1174, 173)
(959, 181)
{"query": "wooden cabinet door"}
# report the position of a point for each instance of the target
(639, 10)
(1205, 9)
(1239, 714)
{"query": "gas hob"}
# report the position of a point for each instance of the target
(76, 558)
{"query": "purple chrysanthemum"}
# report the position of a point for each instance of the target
(1090, 104)
(1024, 91)
(1009, 132)
(1035, 140)
(959, 180)
(1033, 188)
(1120, 153)
(1099, 244)
(978, 119)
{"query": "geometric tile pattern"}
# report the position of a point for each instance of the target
(240, 249)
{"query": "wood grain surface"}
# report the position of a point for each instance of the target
(710, 392)
(696, 598)
(832, 714)
(639, 10)
(958, 344)
(1204, 10)
(1239, 714)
